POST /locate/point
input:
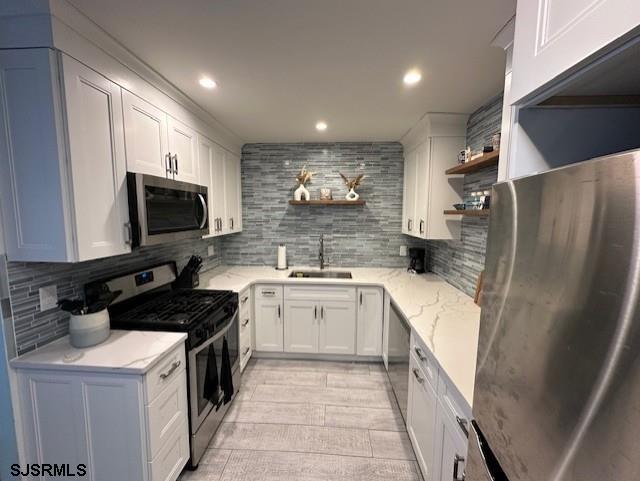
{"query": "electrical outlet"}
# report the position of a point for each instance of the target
(48, 297)
(403, 251)
(210, 250)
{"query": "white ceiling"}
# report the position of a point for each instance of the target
(282, 65)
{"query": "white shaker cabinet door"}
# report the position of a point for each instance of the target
(421, 420)
(98, 165)
(370, 317)
(553, 37)
(232, 193)
(452, 449)
(218, 193)
(337, 327)
(145, 137)
(269, 324)
(183, 148)
(410, 186)
(301, 326)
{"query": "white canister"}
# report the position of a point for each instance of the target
(89, 329)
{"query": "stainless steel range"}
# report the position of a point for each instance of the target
(210, 318)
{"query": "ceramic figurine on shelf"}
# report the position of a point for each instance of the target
(303, 177)
(352, 185)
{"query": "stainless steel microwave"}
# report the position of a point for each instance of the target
(165, 210)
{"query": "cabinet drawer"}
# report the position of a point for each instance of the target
(454, 405)
(425, 361)
(172, 457)
(319, 293)
(245, 355)
(245, 324)
(158, 378)
(268, 292)
(167, 412)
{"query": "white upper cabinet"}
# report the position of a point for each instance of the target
(63, 196)
(553, 38)
(431, 147)
(183, 150)
(146, 137)
(220, 172)
(96, 147)
(370, 318)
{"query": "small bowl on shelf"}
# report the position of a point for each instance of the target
(459, 206)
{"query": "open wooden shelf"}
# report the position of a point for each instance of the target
(488, 159)
(468, 212)
(327, 202)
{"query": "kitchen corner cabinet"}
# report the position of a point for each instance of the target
(269, 325)
(157, 144)
(220, 172)
(63, 157)
(553, 38)
(431, 148)
(370, 319)
(121, 426)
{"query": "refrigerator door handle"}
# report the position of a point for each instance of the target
(490, 462)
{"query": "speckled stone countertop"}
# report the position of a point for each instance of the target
(446, 319)
(124, 352)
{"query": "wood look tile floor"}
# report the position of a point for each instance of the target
(310, 420)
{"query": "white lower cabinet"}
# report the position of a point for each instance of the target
(246, 327)
(370, 319)
(109, 422)
(301, 326)
(337, 333)
(421, 418)
(437, 418)
(269, 325)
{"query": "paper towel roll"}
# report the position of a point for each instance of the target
(282, 256)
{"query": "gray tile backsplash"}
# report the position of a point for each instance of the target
(460, 262)
(34, 329)
(354, 235)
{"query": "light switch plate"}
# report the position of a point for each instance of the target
(48, 297)
(210, 250)
(403, 251)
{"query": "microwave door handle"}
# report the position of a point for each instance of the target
(204, 211)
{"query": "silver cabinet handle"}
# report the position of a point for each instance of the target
(464, 425)
(129, 239)
(168, 165)
(361, 298)
(246, 321)
(204, 210)
(457, 476)
(420, 354)
(322, 312)
(171, 370)
(246, 351)
(175, 165)
(221, 223)
(421, 226)
(315, 312)
(279, 312)
(416, 373)
(244, 299)
(231, 222)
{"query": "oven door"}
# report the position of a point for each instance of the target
(198, 360)
(165, 210)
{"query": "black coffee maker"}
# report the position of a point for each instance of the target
(416, 260)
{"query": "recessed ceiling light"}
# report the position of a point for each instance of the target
(412, 77)
(321, 126)
(208, 83)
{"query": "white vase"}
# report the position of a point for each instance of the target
(301, 193)
(352, 195)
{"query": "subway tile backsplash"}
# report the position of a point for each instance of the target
(33, 328)
(353, 236)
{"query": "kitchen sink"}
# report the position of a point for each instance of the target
(321, 274)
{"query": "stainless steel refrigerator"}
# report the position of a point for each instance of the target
(557, 394)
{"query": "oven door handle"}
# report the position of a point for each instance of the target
(205, 214)
(217, 336)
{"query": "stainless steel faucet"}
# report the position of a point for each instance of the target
(321, 253)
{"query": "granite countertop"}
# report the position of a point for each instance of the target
(124, 352)
(446, 319)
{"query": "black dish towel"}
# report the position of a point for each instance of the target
(210, 391)
(226, 379)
